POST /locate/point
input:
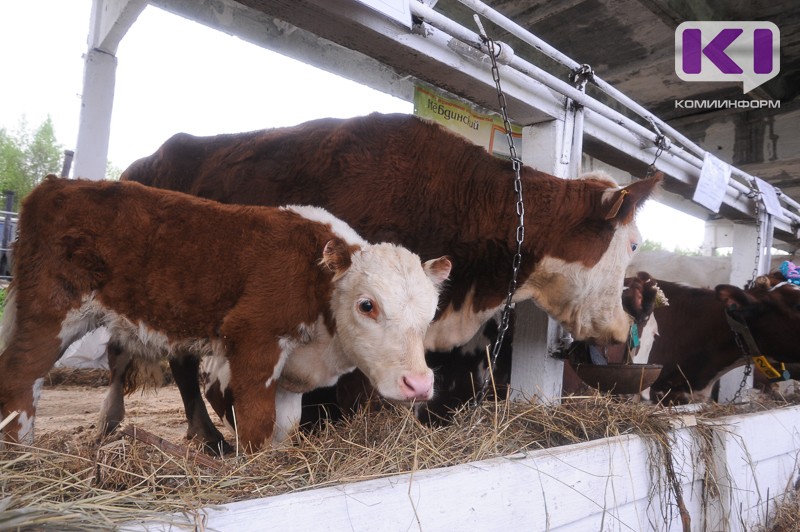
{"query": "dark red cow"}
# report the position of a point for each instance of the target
(696, 345)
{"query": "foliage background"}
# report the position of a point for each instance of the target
(28, 154)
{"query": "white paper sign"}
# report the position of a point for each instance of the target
(399, 10)
(770, 197)
(713, 183)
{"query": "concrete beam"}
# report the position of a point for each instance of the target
(111, 20)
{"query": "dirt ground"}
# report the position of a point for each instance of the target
(75, 408)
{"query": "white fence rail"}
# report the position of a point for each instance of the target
(611, 484)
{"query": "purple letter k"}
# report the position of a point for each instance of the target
(715, 51)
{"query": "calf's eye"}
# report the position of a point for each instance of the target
(634, 245)
(367, 307)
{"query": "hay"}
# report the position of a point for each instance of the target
(72, 482)
(785, 516)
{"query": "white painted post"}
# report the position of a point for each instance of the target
(97, 101)
(534, 373)
(742, 265)
(110, 20)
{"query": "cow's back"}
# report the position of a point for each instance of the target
(264, 167)
(142, 245)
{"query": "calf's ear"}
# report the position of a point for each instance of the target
(622, 204)
(438, 269)
(336, 256)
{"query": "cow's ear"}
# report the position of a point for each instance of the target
(733, 297)
(438, 269)
(336, 256)
(620, 206)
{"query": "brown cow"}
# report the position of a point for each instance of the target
(694, 341)
(405, 180)
(291, 298)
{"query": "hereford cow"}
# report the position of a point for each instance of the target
(291, 298)
(401, 179)
(696, 345)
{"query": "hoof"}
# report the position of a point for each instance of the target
(218, 448)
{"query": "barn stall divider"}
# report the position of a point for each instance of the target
(612, 481)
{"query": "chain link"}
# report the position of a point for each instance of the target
(755, 194)
(748, 369)
(662, 143)
(516, 164)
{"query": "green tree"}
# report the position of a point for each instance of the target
(27, 156)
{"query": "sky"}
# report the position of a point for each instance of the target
(176, 75)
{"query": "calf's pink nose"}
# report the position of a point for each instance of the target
(418, 387)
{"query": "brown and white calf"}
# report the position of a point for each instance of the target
(292, 298)
(696, 345)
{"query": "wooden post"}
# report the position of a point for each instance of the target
(534, 372)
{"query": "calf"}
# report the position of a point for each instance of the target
(696, 345)
(291, 298)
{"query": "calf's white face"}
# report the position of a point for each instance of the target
(382, 305)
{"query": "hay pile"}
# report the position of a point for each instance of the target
(71, 482)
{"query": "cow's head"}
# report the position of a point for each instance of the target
(383, 300)
(579, 277)
(771, 310)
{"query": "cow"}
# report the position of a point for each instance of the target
(696, 345)
(405, 180)
(290, 297)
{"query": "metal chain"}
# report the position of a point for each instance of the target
(662, 143)
(516, 163)
(748, 369)
(755, 194)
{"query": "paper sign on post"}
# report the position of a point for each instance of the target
(713, 183)
(770, 197)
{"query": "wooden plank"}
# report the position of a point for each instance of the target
(178, 451)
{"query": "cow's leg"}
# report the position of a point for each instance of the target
(254, 383)
(217, 376)
(288, 410)
(185, 367)
(113, 410)
(31, 352)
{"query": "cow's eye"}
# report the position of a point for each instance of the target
(634, 245)
(367, 307)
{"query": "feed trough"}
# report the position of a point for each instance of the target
(618, 378)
